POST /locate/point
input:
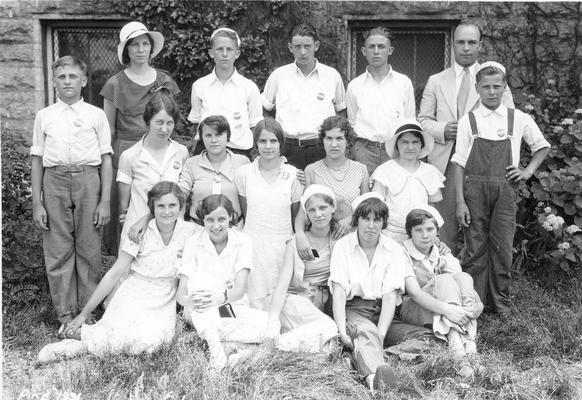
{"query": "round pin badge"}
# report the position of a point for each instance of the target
(320, 96)
(177, 164)
(77, 122)
(236, 115)
(501, 132)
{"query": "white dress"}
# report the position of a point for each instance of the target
(403, 190)
(142, 314)
(268, 223)
(141, 171)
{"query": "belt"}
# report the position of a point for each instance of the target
(302, 142)
(73, 168)
(371, 143)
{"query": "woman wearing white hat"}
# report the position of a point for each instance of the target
(405, 181)
(126, 93)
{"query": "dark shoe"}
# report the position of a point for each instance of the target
(384, 379)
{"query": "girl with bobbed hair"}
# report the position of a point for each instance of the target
(213, 281)
(142, 313)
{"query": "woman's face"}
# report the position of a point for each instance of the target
(335, 143)
(214, 141)
(408, 146)
(268, 145)
(216, 223)
(161, 126)
(139, 49)
(424, 235)
(319, 211)
(369, 228)
(166, 209)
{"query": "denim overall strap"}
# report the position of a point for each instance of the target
(491, 200)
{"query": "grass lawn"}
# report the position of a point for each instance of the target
(536, 353)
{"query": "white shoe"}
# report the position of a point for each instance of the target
(66, 348)
(470, 346)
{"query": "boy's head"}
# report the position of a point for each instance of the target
(490, 84)
(217, 122)
(378, 46)
(304, 43)
(368, 204)
(224, 47)
(69, 77)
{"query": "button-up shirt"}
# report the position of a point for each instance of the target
(492, 124)
(303, 102)
(375, 109)
(238, 100)
(459, 75)
(71, 134)
(349, 268)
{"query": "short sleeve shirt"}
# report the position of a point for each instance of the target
(303, 102)
(75, 134)
(349, 268)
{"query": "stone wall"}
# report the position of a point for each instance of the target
(536, 41)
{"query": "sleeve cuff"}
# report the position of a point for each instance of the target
(341, 106)
(123, 178)
(131, 248)
(457, 160)
(267, 105)
(37, 151)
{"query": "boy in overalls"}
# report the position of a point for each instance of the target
(487, 172)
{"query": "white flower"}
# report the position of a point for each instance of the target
(572, 229)
(529, 107)
(558, 129)
(547, 226)
(578, 111)
(551, 82)
(564, 246)
(547, 210)
(567, 121)
(557, 222)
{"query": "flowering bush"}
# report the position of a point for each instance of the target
(548, 241)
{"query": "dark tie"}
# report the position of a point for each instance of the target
(463, 92)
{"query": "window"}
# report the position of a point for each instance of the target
(420, 49)
(94, 43)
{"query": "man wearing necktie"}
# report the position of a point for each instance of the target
(447, 96)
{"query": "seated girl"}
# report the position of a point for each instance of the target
(301, 296)
(441, 277)
(142, 314)
(215, 266)
(406, 181)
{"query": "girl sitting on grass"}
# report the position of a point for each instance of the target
(441, 277)
(213, 281)
(301, 297)
(142, 314)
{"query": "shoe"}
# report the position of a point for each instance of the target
(384, 379)
(55, 351)
(465, 371)
(456, 343)
(470, 346)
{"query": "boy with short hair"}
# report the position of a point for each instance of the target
(301, 95)
(225, 92)
(486, 175)
(71, 182)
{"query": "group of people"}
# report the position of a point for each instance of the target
(305, 226)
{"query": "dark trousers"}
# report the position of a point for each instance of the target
(300, 157)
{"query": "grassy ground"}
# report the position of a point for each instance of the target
(534, 354)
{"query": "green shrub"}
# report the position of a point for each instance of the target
(23, 273)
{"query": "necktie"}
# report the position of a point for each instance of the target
(463, 92)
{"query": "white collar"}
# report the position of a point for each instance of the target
(485, 112)
(414, 253)
(459, 69)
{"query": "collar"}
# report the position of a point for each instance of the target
(204, 241)
(390, 74)
(226, 168)
(234, 78)
(383, 241)
(146, 157)
(315, 69)
(75, 106)
(153, 227)
(459, 69)
(485, 112)
(433, 256)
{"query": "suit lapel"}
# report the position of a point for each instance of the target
(449, 88)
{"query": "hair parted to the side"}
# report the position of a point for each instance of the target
(125, 55)
(161, 100)
(489, 71)
(214, 201)
(71, 61)
(163, 188)
(337, 121)
(471, 24)
(305, 29)
(218, 122)
(380, 30)
(418, 217)
(373, 206)
(269, 125)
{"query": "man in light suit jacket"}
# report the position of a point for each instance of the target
(447, 96)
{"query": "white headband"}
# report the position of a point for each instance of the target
(432, 211)
(225, 29)
(316, 189)
(491, 64)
